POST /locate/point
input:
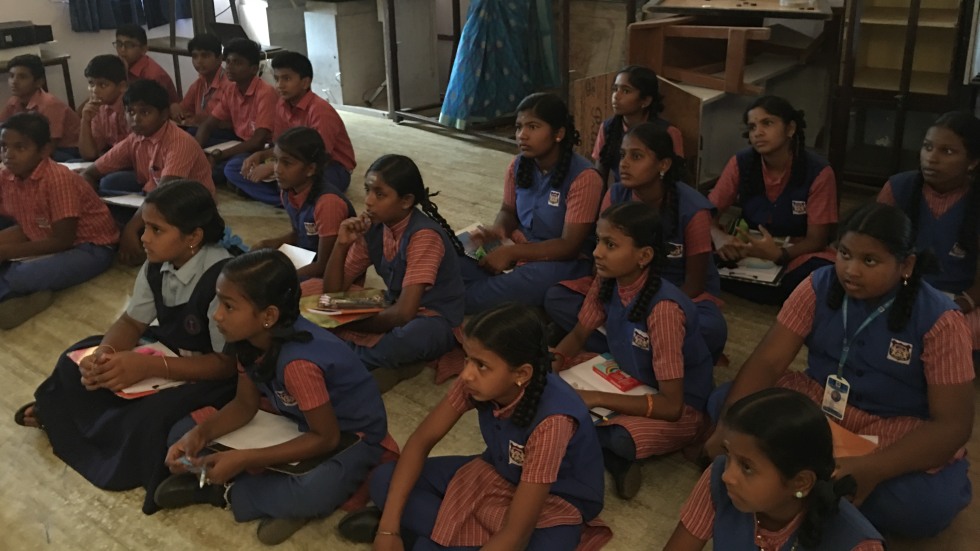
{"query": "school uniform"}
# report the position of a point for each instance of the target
(414, 251)
(149, 69)
(62, 120)
(201, 98)
(709, 513)
(308, 375)
(689, 235)
(248, 112)
(940, 218)
(460, 502)
(314, 112)
(889, 374)
(109, 125)
(606, 129)
(138, 163)
(118, 444)
(666, 344)
(785, 211)
(52, 193)
(313, 218)
(542, 212)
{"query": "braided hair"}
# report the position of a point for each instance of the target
(793, 433)
(516, 333)
(554, 112)
(266, 277)
(641, 223)
(402, 175)
(967, 127)
(752, 182)
(661, 144)
(307, 145)
(893, 229)
(645, 81)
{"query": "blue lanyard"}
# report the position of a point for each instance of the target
(846, 348)
(206, 96)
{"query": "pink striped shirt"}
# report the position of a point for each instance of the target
(821, 203)
(304, 382)
(478, 498)
(53, 193)
(168, 152)
(248, 112)
(109, 125)
(203, 96)
(150, 69)
(63, 120)
(328, 212)
(698, 517)
(315, 112)
(582, 200)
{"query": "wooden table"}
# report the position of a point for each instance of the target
(753, 8)
(48, 59)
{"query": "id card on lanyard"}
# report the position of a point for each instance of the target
(837, 389)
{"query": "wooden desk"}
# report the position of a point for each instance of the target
(751, 8)
(48, 59)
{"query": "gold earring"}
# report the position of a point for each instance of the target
(519, 384)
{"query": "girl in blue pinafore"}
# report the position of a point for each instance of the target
(943, 202)
(773, 488)
(297, 370)
(117, 443)
(551, 200)
(315, 207)
(872, 325)
(537, 486)
(652, 174)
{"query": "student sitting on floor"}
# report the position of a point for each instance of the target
(943, 202)
(551, 200)
(248, 103)
(651, 173)
(784, 190)
(636, 99)
(27, 94)
(298, 106)
(156, 152)
(103, 115)
(653, 334)
(774, 486)
(413, 249)
(131, 46)
(538, 485)
(204, 93)
(305, 374)
(888, 357)
(315, 208)
(57, 217)
(118, 443)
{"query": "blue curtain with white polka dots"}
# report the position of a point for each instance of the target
(506, 51)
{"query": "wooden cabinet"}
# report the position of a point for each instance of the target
(902, 66)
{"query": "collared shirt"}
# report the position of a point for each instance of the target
(315, 112)
(168, 152)
(203, 96)
(329, 211)
(149, 69)
(52, 193)
(248, 112)
(109, 125)
(63, 120)
(176, 288)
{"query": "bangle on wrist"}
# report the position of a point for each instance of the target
(387, 533)
(109, 346)
(166, 367)
(649, 406)
(969, 300)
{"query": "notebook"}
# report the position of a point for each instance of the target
(299, 256)
(584, 376)
(145, 387)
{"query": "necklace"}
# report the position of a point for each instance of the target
(758, 526)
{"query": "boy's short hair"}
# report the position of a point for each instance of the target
(246, 48)
(106, 66)
(30, 61)
(206, 42)
(132, 30)
(295, 61)
(31, 124)
(149, 92)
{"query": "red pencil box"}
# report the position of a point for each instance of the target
(610, 371)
